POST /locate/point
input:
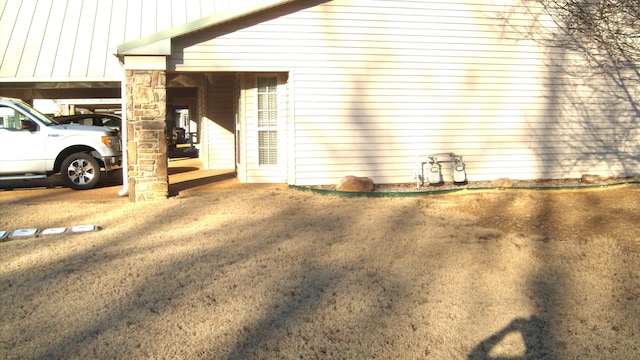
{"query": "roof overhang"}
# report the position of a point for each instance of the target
(52, 82)
(160, 42)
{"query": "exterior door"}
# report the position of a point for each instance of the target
(241, 157)
(261, 128)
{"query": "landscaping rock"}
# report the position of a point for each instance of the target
(590, 179)
(355, 184)
(502, 183)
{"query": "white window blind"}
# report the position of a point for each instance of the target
(268, 149)
(268, 120)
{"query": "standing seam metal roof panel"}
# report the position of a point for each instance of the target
(73, 40)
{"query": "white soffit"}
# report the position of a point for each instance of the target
(147, 62)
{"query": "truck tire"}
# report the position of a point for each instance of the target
(80, 171)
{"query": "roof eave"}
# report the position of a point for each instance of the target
(150, 46)
(160, 42)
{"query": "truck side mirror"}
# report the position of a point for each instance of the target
(29, 125)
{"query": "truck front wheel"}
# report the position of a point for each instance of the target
(80, 171)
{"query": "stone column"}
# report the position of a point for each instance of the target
(146, 92)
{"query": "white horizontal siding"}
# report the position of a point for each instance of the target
(379, 82)
(220, 135)
(220, 148)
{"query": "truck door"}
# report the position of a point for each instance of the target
(22, 150)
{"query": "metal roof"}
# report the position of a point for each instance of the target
(74, 40)
(158, 44)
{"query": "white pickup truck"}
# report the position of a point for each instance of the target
(35, 146)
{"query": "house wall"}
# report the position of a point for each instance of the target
(210, 97)
(220, 122)
(379, 82)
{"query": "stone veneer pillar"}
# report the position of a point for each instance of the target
(146, 93)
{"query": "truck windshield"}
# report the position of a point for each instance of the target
(36, 114)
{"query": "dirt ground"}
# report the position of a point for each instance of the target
(222, 270)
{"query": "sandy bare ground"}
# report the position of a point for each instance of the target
(267, 272)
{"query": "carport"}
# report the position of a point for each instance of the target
(57, 51)
(183, 94)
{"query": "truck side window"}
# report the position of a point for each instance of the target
(11, 119)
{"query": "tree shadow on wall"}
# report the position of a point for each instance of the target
(592, 80)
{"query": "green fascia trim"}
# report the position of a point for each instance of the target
(160, 42)
(375, 194)
(160, 47)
